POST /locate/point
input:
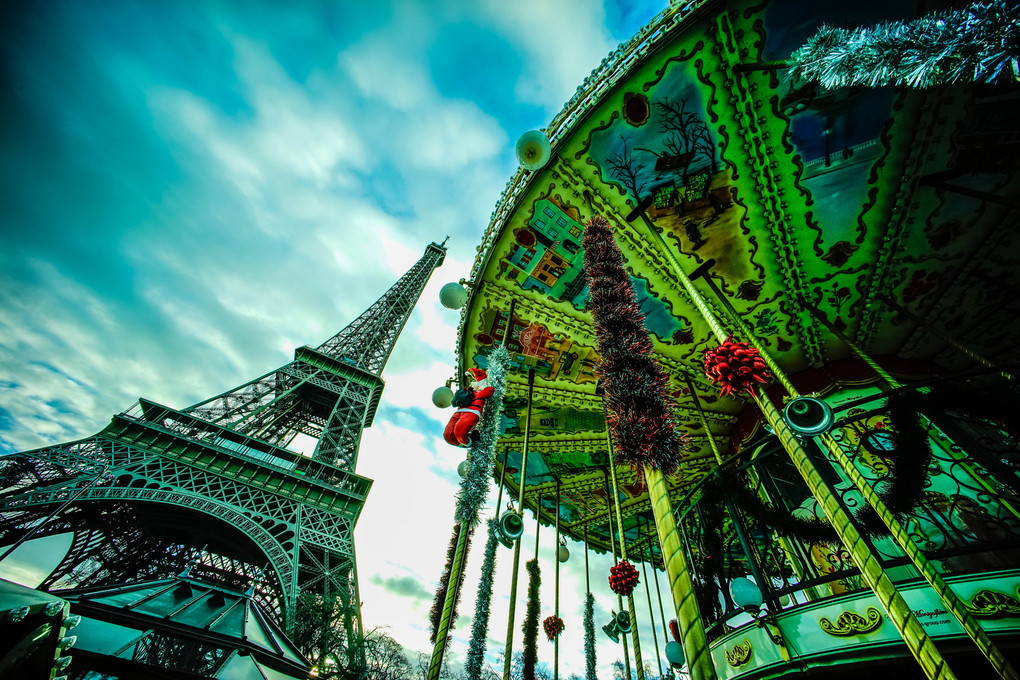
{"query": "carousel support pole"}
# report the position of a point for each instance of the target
(510, 613)
(623, 555)
(956, 606)
(704, 421)
(888, 381)
(460, 554)
(935, 332)
(612, 544)
(651, 614)
(556, 611)
(911, 630)
(658, 592)
(681, 585)
(520, 506)
(538, 525)
(452, 586)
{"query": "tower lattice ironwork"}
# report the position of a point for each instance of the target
(219, 485)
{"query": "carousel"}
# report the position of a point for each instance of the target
(746, 319)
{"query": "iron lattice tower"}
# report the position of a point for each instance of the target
(219, 486)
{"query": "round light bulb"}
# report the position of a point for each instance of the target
(562, 554)
(675, 653)
(745, 593)
(452, 296)
(442, 396)
(464, 468)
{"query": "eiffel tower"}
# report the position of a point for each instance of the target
(218, 488)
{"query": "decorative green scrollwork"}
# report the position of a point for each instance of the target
(989, 604)
(849, 624)
(739, 655)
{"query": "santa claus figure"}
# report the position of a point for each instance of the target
(470, 402)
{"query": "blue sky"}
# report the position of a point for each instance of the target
(191, 190)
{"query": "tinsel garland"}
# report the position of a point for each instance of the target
(553, 626)
(979, 43)
(911, 458)
(589, 637)
(480, 626)
(737, 366)
(531, 620)
(436, 613)
(475, 486)
(636, 390)
(911, 453)
(622, 578)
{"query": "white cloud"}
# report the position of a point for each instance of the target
(288, 218)
(562, 43)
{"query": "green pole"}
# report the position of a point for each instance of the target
(913, 633)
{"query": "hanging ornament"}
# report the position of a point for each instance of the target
(622, 578)
(736, 366)
(553, 626)
(442, 396)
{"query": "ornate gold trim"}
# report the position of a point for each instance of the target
(989, 604)
(849, 624)
(739, 655)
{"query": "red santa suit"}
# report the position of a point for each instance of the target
(464, 419)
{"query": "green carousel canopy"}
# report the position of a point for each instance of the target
(887, 214)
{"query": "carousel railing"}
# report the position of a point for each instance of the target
(752, 516)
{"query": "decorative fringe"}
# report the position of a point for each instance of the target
(531, 620)
(979, 43)
(480, 626)
(589, 637)
(912, 444)
(639, 407)
(436, 613)
(475, 486)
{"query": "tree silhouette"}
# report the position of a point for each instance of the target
(624, 168)
(686, 139)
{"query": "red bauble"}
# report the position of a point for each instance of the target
(622, 578)
(553, 626)
(736, 366)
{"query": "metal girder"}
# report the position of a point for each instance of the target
(225, 458)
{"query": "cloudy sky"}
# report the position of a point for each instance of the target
(193, 189)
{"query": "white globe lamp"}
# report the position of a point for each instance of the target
(746, 594)
(452, 295)
(442, 396)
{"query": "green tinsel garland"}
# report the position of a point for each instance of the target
(589, 637)
(531, 620)
(475, 486)
(979, 43)
(480, 626)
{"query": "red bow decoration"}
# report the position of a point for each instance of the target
(622, 578)
(736, 366)
(553, 626)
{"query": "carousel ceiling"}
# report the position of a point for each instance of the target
(892, 211)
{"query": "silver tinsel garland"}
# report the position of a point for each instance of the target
(480, 627)
(475, 486)
(589, 637)
(979, 43)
